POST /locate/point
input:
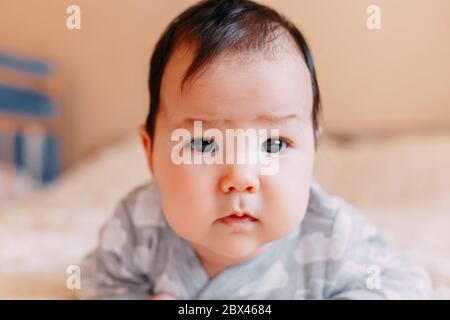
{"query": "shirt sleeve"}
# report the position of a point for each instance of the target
(109, 272)
(362, 266)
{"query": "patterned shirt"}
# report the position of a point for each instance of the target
(333, 253)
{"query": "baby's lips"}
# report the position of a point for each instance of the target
(240, 214)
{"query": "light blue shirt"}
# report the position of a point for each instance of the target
(334, 253)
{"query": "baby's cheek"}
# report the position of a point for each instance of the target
(284, 207)
(190, 199)
(283, 222)
(184, 224)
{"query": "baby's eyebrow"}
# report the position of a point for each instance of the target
(267, 118)
(278, 119)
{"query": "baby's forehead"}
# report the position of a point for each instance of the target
(238, 86)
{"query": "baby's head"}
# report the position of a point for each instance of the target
(232, 65)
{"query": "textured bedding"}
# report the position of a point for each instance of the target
(402, 184)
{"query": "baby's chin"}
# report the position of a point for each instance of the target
(238, 248)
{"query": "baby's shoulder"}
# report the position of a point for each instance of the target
(131, 239)
(322, 210)
(142, 207)
(333, 220)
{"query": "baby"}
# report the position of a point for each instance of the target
(211, 227)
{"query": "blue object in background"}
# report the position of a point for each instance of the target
(23, 102)
(19, 150)
(2, 147)
(37, 154)
(27, 65)
(26, 158)
(51, 159)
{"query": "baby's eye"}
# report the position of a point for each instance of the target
(274, 145)
(204, 145)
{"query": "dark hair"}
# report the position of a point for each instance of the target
(216, 27)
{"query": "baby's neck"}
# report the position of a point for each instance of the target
(214, 264)
(211, 269)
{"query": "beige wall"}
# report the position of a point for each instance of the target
(372, 82)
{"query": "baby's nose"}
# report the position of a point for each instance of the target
(240, 178)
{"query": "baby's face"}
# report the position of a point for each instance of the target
(259, 94)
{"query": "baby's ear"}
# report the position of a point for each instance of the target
(317, 135)
(319, 131)
(147, 144)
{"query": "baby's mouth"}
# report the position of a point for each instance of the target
(237, 218)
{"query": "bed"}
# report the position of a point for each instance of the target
(401, 183)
